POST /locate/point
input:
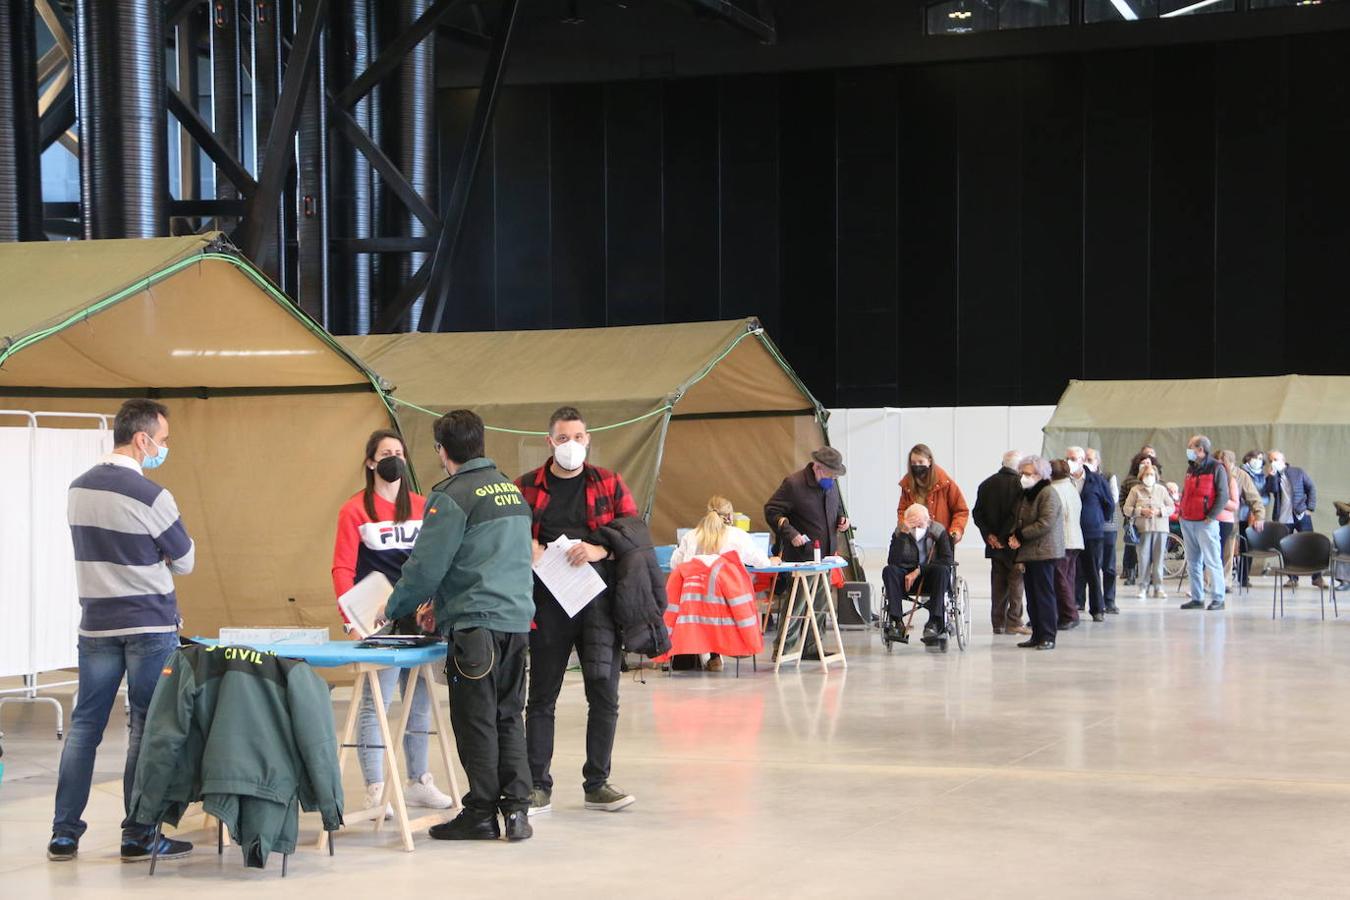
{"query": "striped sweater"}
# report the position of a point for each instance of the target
(129, 543)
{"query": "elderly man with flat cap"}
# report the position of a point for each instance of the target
(806, 509)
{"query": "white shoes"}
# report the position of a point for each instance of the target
(423, 792)
(1143, 593)
(373, 792)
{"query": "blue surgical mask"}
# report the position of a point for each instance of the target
(1190, 454)
(826, 483)
(154, 462)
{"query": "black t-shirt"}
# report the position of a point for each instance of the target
(566, 510)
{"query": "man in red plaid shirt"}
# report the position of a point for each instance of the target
(571, 497)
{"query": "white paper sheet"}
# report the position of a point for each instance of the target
(572, 586)
(364, 601)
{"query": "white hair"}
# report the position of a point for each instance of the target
(1011, 457)
(1074, 450)
(1039, 464)
(913, 512)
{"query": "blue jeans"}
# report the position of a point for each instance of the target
(103, 661)
(1203, 551)
(370, 754)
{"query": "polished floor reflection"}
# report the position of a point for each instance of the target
(1160, 754)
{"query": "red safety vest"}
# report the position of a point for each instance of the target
(1197, 497)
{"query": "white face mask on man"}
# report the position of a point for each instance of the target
(1029, 482)
(569, 455)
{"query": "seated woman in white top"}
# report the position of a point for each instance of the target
(713, 536)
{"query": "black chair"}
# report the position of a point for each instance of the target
(1264, 544)
(1340, 555)
(1304, 553)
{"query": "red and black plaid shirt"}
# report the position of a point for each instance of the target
(607, 497)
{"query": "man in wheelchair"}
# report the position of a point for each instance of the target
(920, 561)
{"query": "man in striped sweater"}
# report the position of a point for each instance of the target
(129, 543)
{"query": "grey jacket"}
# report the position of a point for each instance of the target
(1040, 525)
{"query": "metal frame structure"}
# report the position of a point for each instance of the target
(305, 129)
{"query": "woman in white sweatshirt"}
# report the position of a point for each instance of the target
(1150, 506)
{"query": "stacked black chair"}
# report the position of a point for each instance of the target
(1264, 544)
(1303, 553)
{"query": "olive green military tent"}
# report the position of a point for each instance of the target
(268, 415)
(1306, 416)
(682, 411)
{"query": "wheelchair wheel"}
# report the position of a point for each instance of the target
(961, 613)
(1174, 556)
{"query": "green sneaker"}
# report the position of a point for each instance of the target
(541, 801)
(608, 798)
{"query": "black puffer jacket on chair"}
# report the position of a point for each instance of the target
(633, 610)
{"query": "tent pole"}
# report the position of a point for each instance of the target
(660, 455)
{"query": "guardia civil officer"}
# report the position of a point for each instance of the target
(473, 557)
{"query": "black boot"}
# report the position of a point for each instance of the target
(468, 826)
(518, 827)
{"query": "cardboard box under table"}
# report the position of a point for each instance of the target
(366, 663)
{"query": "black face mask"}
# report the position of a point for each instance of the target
(390, 468)
(919, 472)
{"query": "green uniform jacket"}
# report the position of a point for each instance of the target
(474, 555)
(247, 733)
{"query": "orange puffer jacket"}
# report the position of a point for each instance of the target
(711, 608)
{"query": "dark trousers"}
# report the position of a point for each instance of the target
(1088, 578)
(551, 645)
(932, 582)
(487, 716)
(1109, 568)
(1129, 561)
(1303, 523)
(1066, 578)
(1244, 564)
(1005, 579)
(1039, 581)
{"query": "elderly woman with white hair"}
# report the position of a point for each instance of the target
(1039, 542)
(920, 560)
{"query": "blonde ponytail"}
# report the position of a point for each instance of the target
(713, 526)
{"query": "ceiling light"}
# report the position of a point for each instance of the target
(1188, 9)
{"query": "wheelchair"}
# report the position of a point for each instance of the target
(957, 615)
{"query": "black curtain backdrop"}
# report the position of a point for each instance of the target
(972, 233)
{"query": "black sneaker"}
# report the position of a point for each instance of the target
(467, 826)
(932, 632)
(518, 827)
(1215, 605)
(1099, 617)
(1193, 604)
(62, 848)
(141, 851)
(1113, 610)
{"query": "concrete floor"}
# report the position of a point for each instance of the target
(1161, 754)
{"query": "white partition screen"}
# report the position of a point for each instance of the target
(967, 441)
(38, 599)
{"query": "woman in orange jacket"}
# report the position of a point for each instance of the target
(928, 484)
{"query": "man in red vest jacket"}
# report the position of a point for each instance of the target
(1202, 499)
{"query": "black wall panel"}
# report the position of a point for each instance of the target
(522, 251)
(1250, 157)
(1117, 137)
(1049, 307)
(1181, 223)
(866, 231)
(929, 157)
(576, 150)
(990, 251)
(691, 237)
(748, 198)
(961, 233)
(634, 247)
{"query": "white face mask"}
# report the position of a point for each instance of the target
(920, 531)
(1150, 481)
(1029, 482)
(1075, 466)
(569, 455)
(1277, 466)
(1091, 466)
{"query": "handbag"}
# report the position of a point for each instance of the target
(1131, 532)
